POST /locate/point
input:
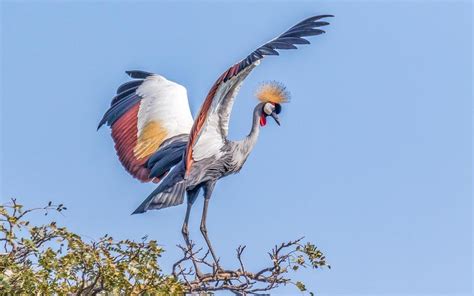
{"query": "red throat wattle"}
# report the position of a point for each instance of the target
(263, 120)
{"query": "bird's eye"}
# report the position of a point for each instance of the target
(268, 108)
(277, 108)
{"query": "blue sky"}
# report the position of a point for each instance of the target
(372, 161)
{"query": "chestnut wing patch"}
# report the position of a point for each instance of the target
(146, 116)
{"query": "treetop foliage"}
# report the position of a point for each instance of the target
(51, 260)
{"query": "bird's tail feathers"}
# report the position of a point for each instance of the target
(169, 193)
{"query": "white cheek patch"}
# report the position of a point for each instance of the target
(268, 108)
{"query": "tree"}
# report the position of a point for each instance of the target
(50, 260)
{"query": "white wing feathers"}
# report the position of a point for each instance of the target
(215, 130)
(166, 102)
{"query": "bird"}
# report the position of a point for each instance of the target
(157, 140)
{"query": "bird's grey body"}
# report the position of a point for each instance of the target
(231, 159)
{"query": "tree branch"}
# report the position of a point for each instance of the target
(284, 257)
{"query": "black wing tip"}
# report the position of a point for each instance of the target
(139, 210)
(313, 19)
(287, 40)
(318, 17)
(130, 72)
(138, 74)
(101, 123)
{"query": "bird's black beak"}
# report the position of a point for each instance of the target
(275, 116)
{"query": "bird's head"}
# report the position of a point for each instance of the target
(272, 95)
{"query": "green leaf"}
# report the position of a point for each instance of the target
(300, 286)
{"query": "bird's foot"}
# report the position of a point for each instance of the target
(216, 268)
(199, 274)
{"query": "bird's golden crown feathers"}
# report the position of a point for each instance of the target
(273, 92)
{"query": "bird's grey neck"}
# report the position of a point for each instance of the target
(246, 145)
(254, 132)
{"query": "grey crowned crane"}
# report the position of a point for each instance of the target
(157, 140)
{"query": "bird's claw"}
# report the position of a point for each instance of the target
(199, 274)
(216, 268)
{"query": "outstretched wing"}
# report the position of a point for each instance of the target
(210, 127)
(150, 121)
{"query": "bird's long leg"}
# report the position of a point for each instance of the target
(207, 196)
(185, 231)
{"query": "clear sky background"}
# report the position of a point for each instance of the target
(372, 161)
